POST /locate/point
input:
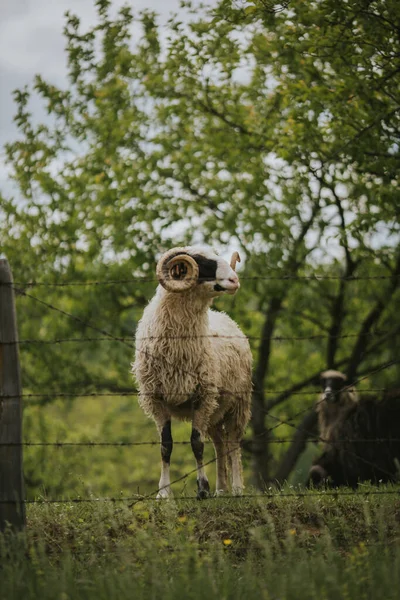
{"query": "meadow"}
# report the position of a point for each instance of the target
(280, 546)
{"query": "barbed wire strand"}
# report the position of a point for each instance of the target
(201, 547)
(73, 317)
(125, 339)
(152, 279)
(187, 442)
(266, 495)
(345, 388)
(136, 392)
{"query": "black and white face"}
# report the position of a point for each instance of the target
(331, 388)
(199, 269)
(216, 277)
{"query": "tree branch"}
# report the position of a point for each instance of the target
(313, 320)
(338, 312)
(359, 350)
(195, 192)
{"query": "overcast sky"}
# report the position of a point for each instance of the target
(31, 41)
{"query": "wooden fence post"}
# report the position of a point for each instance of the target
(12, 505)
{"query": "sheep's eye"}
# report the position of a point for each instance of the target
(179, 271)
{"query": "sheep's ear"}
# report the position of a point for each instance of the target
(234, 259)
(178, 273)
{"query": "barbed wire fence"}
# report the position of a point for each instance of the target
(10, 342)
(152, 279)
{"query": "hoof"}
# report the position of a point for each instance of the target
(220, 493)
(203, 494)
(164, 494)
(237, 491)
(203, 489)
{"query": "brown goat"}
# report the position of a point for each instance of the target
(334, 403)
(365, 445)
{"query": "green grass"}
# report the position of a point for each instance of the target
(274, 548)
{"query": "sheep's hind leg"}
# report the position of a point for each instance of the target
(197, 443)
(235, 459)
(237, 470)
(164, 489)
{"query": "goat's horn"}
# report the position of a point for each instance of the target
(234, 259)
(177, 272)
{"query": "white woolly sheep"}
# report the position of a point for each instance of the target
(334, 403)
(193, 363)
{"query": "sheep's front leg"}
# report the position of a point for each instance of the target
(164, 489)
(218, 438)
(204, 405)
(203, 487)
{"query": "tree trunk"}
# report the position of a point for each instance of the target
(261, 435)
(260, 443)
(307, 428)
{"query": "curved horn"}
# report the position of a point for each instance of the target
(234, 259)
(178, 273)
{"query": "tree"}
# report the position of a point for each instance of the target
(272, 130)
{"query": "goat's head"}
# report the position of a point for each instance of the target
(183, 269)
(332, 383)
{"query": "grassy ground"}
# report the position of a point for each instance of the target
(279, 547)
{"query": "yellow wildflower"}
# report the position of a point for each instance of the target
(182, 519)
